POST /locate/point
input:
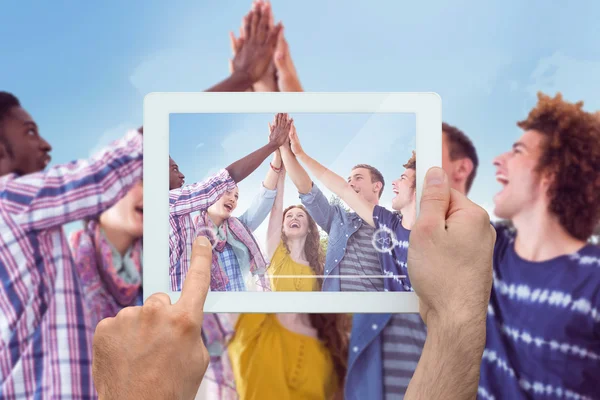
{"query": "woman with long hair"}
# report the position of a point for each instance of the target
(108, 257)
(238, 263)
(290, 356)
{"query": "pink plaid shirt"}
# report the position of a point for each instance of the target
(45, 333)
(183, 202)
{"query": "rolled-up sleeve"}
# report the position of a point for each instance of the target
(259, 209)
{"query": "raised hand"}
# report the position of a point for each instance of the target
(254, 50)
(280, 129)
(295, 142)
(287, 77)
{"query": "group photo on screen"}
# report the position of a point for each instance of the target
(294, 224)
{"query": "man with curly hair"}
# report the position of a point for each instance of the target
(543, 324)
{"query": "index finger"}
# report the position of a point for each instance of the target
(197, 281)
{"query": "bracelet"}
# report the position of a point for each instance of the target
(278, 170)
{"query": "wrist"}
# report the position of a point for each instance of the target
(447, 327)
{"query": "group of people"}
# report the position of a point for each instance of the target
(542, 317)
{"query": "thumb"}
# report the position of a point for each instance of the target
(435, 200)
(281, 52)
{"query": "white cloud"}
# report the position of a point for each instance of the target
(576, 79)
(111, 135)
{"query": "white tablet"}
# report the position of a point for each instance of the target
(364, 138)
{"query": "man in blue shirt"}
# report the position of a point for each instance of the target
(350, 253)
(385, 348)
(543, 323)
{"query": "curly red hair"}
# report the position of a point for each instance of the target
(571, 155)
(332, 329)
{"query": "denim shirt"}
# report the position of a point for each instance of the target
(339, 225)
(364, 377)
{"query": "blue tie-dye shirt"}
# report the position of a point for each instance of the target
(391, 242)
(543, 326)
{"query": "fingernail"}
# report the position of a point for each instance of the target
(435, 176)
(279, 56)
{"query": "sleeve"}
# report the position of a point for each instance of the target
(319, 207)
(75, 191)
(200, 196)
(383, 216)
(259, 209)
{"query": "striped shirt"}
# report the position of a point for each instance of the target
(360, 262)
(182, 203)
(543, 326)
(45, 333)
(403, 341)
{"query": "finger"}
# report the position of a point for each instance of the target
(197, 281)
(244, 26)
(233, 42)
(274, 35)
(435, 201)
(281, 51)
(249, 21)
(271, 17)
(255, 24)
(263, 28)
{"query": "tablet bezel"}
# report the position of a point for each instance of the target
(158, 107)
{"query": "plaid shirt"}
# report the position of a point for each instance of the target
(232, 269)
(182, 203)
(45, 333)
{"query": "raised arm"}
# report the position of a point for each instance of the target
(276, 218)
(311, 196)
(240, 169)
(296, 172)
(254, 52)
(81, 189)
(334, 182)
(263, 202)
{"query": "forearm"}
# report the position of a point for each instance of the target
(236, 82)
(276, 218)
(240, 169)
(201, 195)
(272, 176)
(450, 362)
(340, 188)
(296, 172)
(78, 190)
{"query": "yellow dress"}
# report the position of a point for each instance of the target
(272, 362)
(282, 264)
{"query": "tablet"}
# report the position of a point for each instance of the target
(319, 255)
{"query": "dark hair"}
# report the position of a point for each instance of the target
(571, 154)
(412, 164)
(461, 147)
(7, 102)
(376, 176)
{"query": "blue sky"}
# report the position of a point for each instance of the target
(82, 69)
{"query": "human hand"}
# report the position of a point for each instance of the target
(268, 82)
(294, 143)
(287, 77)
(450, 254)
(280, 130)
(155, 351)
(254, 49)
